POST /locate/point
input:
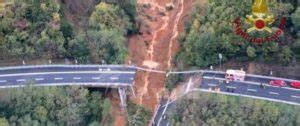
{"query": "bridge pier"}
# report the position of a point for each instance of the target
(123, 95)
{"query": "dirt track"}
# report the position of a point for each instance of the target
(155, 45)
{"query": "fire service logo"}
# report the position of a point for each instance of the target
(260, 20)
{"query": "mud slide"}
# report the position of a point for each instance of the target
(155, 45)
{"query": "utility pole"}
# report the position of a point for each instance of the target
(220, 60)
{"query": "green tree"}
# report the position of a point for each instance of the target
(286, 55)
(53, 106)
(137, 115)
(107, 16)
(107, 45)
(251, 52)
(78, 48)
(4, 122)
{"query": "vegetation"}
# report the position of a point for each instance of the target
(105, 38)
(173, 80)
(38, 106)
(219, 110)
(138, 115)
(213, 33)
(33, 29)
(29, 29)
(296, 18)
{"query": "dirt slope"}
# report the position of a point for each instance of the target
(155, 45)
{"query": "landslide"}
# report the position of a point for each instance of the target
(155, 45)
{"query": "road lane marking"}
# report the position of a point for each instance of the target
(58, 78)
(293, 96)
(21, 80)
(253, 90)
(249, 96)
(114, 78)
(72, 72)
(214, 78)
(231, 87)
(3, 81)
(212, 85)
(254, 83)
(274, 93)
(95, 78)
(39, 79)
(76, 78)
(69, 84)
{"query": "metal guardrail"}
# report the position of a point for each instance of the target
(138, 68)
(61, 65)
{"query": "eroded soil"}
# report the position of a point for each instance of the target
(155, 45)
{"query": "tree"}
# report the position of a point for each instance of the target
(53, 106)
(137, 115)
(296, 18)
(107, 45)
(78, 48)
(32, 29)
(4, 122)
(286, 55)
(215, 109)
(210, 31)
(251, 52)
(108, 16)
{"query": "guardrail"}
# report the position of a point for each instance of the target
(139, 68)
(61, 65)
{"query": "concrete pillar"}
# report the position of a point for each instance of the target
(122, 94)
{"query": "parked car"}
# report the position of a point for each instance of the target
(279, 83)
(295, 84)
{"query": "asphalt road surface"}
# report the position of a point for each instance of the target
(89, 75)
(250, 87)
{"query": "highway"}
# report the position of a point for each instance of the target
(250, 87)
(61, 75)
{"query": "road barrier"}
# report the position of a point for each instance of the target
(139, 68)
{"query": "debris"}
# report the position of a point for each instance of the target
(147, 5)
(169, 6)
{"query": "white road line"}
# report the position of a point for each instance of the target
(293, 96)
(21, 80)
(76, 78)
(274, 93)
(249, 96)
(166, 106)
(3, 81)
(39, 79)
(73, 83)
(212, 85)
(96, 78)
(214, 78)
(114, 78)
(231, 87)
(69, 72)
(253, 90)
(58, 78)
(254, 83)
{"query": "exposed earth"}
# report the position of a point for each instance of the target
(160, 23)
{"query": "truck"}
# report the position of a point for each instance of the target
(235, 75)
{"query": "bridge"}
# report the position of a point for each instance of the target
(120, 77)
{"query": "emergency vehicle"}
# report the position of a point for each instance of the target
(235, 75)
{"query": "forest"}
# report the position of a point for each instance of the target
(221, 110)
(210, 31)
(52, 106)
(31, 29)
